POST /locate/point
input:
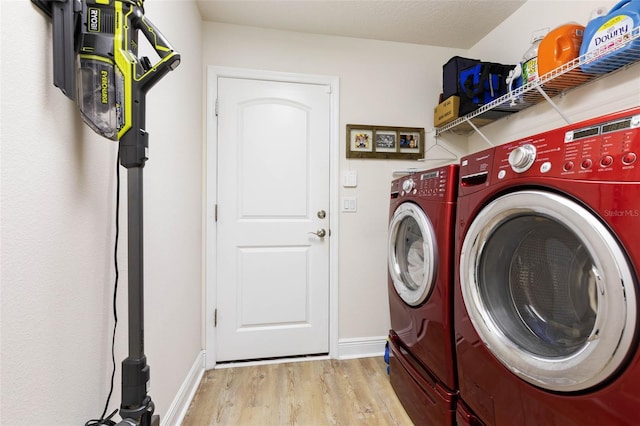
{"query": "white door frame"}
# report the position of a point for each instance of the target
(211, 196)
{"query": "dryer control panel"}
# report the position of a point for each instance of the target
(601, 149)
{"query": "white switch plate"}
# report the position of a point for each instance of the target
(350, 179)
(349, 204)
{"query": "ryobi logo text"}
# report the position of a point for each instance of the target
(94, 20)
(104, 87)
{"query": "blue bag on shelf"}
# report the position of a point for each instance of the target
(481, 84)
(451, 72)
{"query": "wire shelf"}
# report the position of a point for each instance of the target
(555, 82)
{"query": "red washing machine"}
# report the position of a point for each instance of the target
(420, 258)
(546, 299)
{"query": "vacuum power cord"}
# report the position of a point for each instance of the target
(107, 420)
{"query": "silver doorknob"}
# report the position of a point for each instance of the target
(319, 233)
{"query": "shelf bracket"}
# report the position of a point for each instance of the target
(553, 105)
(478, 131)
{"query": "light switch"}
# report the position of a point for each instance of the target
(350, 179)
(349, 204)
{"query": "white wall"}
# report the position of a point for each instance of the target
(611, 93)
(381, 83)
(58, 203)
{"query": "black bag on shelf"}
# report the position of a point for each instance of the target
(481, 84)
(450, 75)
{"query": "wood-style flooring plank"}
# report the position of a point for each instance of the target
(308, 393)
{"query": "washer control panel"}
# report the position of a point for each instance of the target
(437, 184)
(599, 149)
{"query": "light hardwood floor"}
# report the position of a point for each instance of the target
(307, 393)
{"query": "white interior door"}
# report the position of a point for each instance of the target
(273, 219)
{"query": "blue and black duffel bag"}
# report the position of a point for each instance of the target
(481, 84)
(451, 74)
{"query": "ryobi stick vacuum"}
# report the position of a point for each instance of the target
(96, 63)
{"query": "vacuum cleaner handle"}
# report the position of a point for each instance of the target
(169, 58)
(142, 76)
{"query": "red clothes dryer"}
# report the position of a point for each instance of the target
(420, 260)
(546, 299)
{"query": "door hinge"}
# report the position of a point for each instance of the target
(215, 213)
(217, 107)
(215, 317)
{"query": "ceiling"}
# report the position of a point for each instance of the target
(447, 23)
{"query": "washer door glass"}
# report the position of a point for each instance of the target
(412, 254)
(548, 289)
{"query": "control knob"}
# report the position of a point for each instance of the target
(408, 185)
(522, 158)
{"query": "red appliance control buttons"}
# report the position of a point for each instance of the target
(606, 161)
(586, 163)
(629, 158)
(568, 166)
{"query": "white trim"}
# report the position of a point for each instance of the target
(213, 73)
(210, 197)
(334, 214)
(178, 408)
(361, 347)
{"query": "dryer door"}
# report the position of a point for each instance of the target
(412, 253)
(548, 289)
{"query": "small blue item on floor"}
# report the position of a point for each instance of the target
(386, 355)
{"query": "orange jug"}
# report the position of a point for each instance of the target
(558, 48)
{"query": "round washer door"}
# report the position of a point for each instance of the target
(412, 253)
(548, 289)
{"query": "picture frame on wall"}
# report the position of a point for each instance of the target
(410, 141)
(385, 142)
(360, 140)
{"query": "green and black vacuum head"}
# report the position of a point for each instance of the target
(96, 63)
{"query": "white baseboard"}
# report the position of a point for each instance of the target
(361, 347)
(178, 409)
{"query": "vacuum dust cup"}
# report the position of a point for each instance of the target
(99, 96)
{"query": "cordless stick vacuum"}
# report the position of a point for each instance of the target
(96, 63)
